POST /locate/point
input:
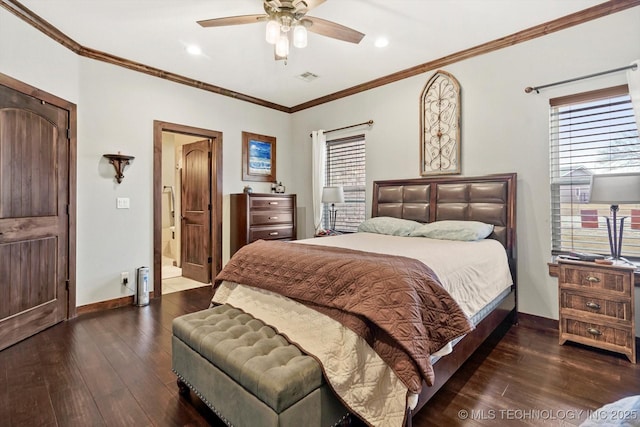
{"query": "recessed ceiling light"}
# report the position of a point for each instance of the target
(194, 50)
(381, 42)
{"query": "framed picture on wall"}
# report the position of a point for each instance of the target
(258, 157)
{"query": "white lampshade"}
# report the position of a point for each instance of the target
(332, 195)
(273, 31)
(615, 189)
(300, 36)
(282, 46)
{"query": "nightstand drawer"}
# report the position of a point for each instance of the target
(590, 333)
(593, 278)
(597, 305)
(271, 217)
(270, 233)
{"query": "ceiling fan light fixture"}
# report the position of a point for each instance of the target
(300, 36)
(282, 46)
(285, 23)
(273, 31)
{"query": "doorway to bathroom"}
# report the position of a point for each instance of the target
(187, 207)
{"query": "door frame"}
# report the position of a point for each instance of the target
(216, 195)
(71, 108)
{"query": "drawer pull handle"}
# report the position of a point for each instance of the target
(273, 217)
(593, 279)
(593, 305)
(273, 233)
(594, 331)
(273, 203)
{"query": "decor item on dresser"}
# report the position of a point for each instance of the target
(440, 125)
(258, 157)
(597, 305)
(615, 189)
(333, 195)
(119, 161)
(256, 216)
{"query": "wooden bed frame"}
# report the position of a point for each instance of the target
(490, 199)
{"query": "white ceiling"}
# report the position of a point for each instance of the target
(155, 33)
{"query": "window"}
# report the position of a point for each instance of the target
(346, 167)
(591, 133)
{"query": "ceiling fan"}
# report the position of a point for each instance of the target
(286, 16)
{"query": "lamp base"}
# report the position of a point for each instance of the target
(333, 214)
(615, 237)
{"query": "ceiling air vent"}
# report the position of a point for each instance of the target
(307, 76)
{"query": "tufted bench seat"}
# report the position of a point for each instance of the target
(248, 374)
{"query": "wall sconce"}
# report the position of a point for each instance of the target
(119, 161)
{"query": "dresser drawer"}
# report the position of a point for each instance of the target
(268, 217)
(596, 304)
(270, 233)
(595, 278)
(271, 202)
(594, 333)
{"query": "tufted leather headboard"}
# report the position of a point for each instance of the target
(490, 199)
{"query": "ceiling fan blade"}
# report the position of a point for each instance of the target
(233, 20)
(333, 30)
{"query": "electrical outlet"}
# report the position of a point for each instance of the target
(124, 278)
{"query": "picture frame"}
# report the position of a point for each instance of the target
(440, 126)
(258, 157)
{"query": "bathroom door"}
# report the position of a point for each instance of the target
(195, 210)
(34, 214)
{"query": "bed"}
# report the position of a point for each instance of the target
(487, 199)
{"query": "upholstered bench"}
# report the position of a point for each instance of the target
(248, 374)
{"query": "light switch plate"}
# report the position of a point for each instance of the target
(122, 203)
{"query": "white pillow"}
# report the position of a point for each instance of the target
(468, 231)
(389, 225)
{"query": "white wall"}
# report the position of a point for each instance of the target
(503, 128)
(116, 110)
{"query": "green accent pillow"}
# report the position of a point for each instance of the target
(389, 225)
(467, 231)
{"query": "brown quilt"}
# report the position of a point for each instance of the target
(395, 303)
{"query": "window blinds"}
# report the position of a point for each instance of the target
(346, 167)
(591, 133)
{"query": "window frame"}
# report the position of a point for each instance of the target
(349, 223)
(558, 181)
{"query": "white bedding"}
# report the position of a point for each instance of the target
(474, 273)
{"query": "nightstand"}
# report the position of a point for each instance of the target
(597, 305)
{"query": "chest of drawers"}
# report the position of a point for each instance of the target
(261, 216)
(597, 306)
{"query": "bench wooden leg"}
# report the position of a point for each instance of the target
(183, 389)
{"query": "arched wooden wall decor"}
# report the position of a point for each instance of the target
(440, 126)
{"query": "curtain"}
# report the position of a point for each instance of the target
(319, 144)
(633, 79)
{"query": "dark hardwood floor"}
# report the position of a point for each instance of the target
(113, 368)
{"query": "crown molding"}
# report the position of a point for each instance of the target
(601, 10)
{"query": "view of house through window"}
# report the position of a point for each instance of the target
(591, 133)
(346, 167)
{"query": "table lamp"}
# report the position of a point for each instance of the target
(332, 195)
(615, 189)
